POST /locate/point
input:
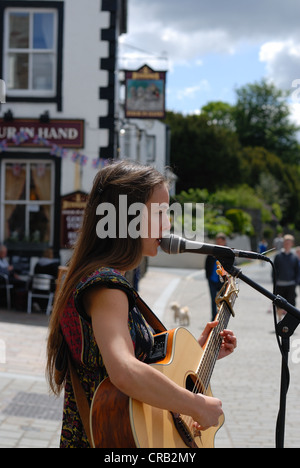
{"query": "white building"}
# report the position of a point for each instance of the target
(60, 120)
(145, 141)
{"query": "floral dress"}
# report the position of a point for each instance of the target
(78, 334)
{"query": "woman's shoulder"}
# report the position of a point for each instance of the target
(106, 277)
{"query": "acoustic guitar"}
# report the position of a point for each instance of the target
(117, 421)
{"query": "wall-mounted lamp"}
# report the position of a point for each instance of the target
(8, 116)
(45, 117)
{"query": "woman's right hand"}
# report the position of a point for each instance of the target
(208, 412)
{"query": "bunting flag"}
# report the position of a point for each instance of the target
(41, 141)
(3, 146)
(100, 163)
(20, 138)
(78, 157)
(56, 150)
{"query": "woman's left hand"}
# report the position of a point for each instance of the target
(229, 342)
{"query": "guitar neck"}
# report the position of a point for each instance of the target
(212, 349)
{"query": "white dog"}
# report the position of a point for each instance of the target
(181, 314)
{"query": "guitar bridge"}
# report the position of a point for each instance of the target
(184, 431)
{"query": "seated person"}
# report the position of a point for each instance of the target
(7, 269)
(19, 286)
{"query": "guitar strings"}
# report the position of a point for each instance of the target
(216, 341)
(209, 347)
(211, 352)
(210, 355)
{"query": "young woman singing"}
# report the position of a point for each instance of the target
(96, 318)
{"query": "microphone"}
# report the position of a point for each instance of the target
(175, 245)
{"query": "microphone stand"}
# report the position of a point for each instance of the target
(285, 329)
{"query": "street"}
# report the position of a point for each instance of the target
(247, 382)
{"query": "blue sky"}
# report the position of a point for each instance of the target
(210, 48)
(213, 78)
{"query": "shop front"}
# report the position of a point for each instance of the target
(31, 156)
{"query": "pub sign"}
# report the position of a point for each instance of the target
(64, 133)
(145, 93)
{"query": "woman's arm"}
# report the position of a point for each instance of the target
(109, 312)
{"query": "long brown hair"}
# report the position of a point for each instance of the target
(91, 252)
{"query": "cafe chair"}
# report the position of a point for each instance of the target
(4, 285)
(41, 288)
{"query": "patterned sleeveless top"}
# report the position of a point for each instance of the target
(77, 331)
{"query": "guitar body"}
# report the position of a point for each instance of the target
(118, 421)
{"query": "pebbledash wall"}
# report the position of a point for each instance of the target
(57, 127)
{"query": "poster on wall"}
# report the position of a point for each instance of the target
(72, 212)
(145, 93)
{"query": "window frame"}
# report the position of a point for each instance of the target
(17, 157)
(27, 202)
(30, 51)
(37, 7)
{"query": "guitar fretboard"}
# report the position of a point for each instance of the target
(212, 348)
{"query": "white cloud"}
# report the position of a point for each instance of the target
(282, 59)
(269, 50)
(179, 47)
(190, 92)
(295, 113)
(220, 25)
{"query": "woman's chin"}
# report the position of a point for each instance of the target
(152, 250)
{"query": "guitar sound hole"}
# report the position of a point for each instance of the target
(193, 384)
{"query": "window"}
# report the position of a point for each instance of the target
(150, 148)
(125, 143)
(28, 202)
(30, 57)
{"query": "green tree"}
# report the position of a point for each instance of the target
(283, 186)
(219, 113)
(262, 118)
(203, 155)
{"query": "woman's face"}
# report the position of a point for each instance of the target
(156, 220)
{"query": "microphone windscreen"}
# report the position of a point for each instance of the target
(170, 244)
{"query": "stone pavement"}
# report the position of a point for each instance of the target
(247, 382)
